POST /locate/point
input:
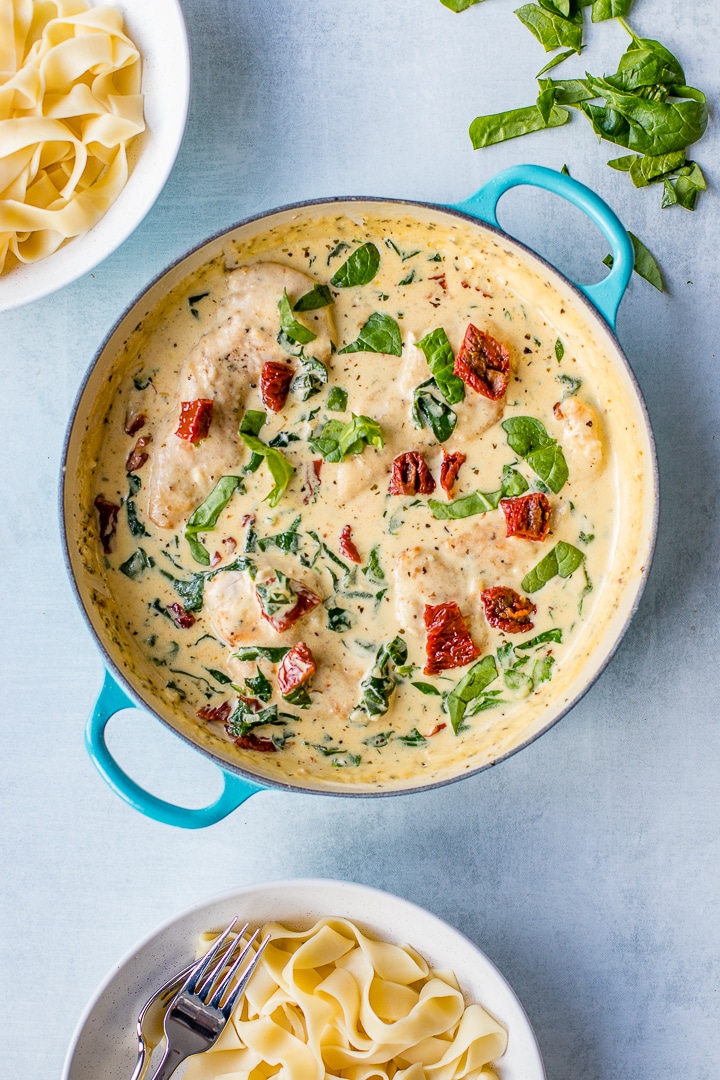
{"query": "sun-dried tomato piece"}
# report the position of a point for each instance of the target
(275, 382)
(183, 619)
(441, 279)
(133, 424)
(297, 668)
(527, 516)
(215, 712)
(449, 469)
(448, 643)
(347, 547)
(251, 741)
(306, 601)
(410, 475)
(137, 456)
(507, 610)
(483, 363)
(107, 522)
(195, 419)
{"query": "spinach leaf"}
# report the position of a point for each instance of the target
(459, 5)
(290, 326)
(414, 738)
(380, 334)
(563, 559)
(276, 595)
(378, 686)
(513, 483)
(205, 517)
(339, 619)
(337, 399)
(646, 63)
(439, 355)
(553, 31)
(528, 437)
(134, 523)
(337, 250)
(429, 411)
(645, 265)
(427, 688)
(646, 125)
(283, 439)
(466, 506)
(560, 58)
(358, 269)
(541, 639)
(378, 741)
(559, 350)
(470, 687)
(299, 697)
(318, 297)
(571, 385)
(190, 591)
(273, 653)
(252, 422)
(280, 468)
(688, 186)
(335, 441)
(609, 9)
(374, 571)
(259, 686)
(136, 564)
(312, 377)
(219, 676)
(289, 540)
(403, 257)
(498, 127)
(243, 720)
(193, 301)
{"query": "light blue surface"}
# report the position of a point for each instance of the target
(586, 866)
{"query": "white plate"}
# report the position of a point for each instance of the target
(158, 29)
(104, 1045)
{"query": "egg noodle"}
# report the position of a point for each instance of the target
(332, 1002)
(69, 104)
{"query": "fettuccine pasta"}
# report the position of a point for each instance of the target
(332, 1002)
(70, 103)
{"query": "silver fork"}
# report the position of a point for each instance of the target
(198, 1014)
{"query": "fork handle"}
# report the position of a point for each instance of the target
(170, 1061)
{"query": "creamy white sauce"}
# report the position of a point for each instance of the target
(180, 352)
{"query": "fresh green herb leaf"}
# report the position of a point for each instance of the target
(413, 739)
(358, 269)
(553, 31)
(259, 686)
(429, 411)
(564, 559)
(559, 350)
(276, 595)
(470, 687)
(273, 653)
(311, 379)
(374, 571)
(497, 128)
(190, 591)
(439, 355)
(379, 684)
(280, 468)
(459, 5)
(138, 562)
(528, 437)
(337, 399)
(205, 517)
(513, 483)
(645, 265)
(336, 441)
(427, 688)
(318, 297)
(380, 334)
(252, 422)
(560, 58)
(466, 506)
(541, 639)
(290, 326)
(570, 384)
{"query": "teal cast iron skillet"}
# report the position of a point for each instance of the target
(603, 297)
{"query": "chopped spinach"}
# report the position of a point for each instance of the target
(339, 620)
(337, 399)
(138, 562)
(429, 411)
(134, 523)
(571, 385)
(470, 687)
(439, 355)
(219, 676)
(311, 379)
(190, 591)
(413, 739)
(529, 439)
(280, 468)
(427, 688)
(289, 540)
(374, 571)
(276, 595)
(379, 684)
(290, 326)
(318, 297)
(335, 441)
(273, 653)
(259, 686)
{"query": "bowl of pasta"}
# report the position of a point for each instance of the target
(93, 107)
(353, 980)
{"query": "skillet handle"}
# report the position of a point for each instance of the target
(111, 699)
(606, 294)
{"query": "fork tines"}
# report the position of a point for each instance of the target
(220, 986)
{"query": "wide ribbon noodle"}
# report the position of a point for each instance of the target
(69, 104)
(331, 1002)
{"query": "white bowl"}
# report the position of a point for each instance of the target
(106, 1031)
(158, 29)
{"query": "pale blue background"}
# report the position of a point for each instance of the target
(586, 866)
